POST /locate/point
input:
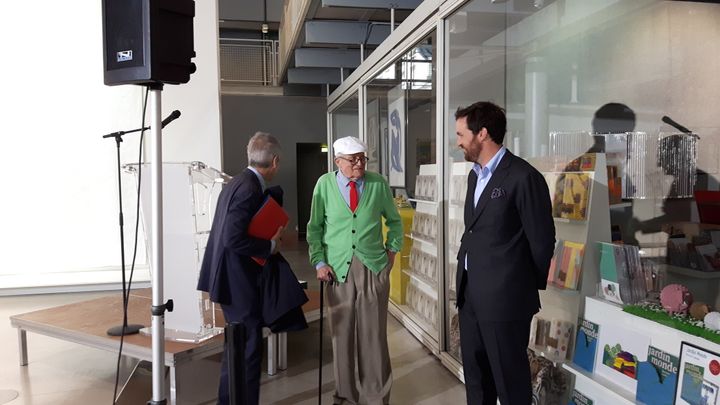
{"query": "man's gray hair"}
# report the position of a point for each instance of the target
(261, 150)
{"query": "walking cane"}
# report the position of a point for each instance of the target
(322, 302)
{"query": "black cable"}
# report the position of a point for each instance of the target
(126, 297)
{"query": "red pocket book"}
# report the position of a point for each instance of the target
(266, 222)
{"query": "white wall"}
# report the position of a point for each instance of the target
(59, 202)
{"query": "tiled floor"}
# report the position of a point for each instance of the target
(67, 373)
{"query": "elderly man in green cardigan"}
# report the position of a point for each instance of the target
(346, 244)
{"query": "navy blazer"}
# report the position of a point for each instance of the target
(509, 240)
(283, 297)
(230, 248)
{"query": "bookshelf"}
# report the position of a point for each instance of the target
(599, 389)
(419, 311)
(565, 304)
(604, 313)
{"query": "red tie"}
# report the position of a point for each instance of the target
(353, 196)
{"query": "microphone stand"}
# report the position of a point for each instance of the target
(123, 329)
(170, 118)
(121, 133)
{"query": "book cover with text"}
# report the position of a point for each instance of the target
(657, 377)
(586, 343)
(578, 398)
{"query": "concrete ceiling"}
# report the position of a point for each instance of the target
(329, 45)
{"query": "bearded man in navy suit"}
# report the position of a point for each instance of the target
(503, 259)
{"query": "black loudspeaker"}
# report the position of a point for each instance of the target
(148, 41)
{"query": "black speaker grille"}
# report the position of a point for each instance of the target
(125, 48)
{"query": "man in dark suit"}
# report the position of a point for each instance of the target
(228, 273)
(503, 259)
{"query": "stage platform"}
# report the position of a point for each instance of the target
(86, 323)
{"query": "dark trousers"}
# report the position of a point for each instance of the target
(495, 359)
(253, 356)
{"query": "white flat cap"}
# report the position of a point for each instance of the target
(349, 145)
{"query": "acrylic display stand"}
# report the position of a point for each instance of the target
(190, 191)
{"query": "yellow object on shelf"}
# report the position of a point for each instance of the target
(398, 279)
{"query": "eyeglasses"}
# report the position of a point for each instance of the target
(357, 159)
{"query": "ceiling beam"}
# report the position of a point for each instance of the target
(327, 57)
(383, 4)
(345, 32)
(314, 75)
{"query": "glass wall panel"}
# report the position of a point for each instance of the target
(475, 60)
(401, 136)
(594, 70)
(345, 120)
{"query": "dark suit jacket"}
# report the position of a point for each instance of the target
(283, 297)
(509, 240)
(229, 248)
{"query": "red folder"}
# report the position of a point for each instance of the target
(266, 222)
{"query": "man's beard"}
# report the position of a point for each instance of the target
(472, 154)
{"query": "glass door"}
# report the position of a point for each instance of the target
(401, 136)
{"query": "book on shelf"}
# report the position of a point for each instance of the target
(614, 185)
(576, 193)
(619, 351)
(708, 257)
(556, 187)
(578, 398)
(694, 246)
(698, 376)
(566, 264)
(622, 274)
(570, 194)
(586, 342)
(657, 377)
(551, 336)
(582, 163)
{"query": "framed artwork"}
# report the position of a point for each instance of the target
(396, 135)
(698, 376)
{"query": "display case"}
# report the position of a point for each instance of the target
(574, 77)
(190, 192)
(399, 112)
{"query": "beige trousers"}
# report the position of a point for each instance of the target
(358, 324)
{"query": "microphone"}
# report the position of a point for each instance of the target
(170, 118)
(674, 124)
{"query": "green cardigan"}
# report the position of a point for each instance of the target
(334, 233)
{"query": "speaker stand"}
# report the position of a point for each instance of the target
(158, 306)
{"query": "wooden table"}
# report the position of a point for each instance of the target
(86, 323)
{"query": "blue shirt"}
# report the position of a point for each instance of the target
(484, 174)
(344, 186)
